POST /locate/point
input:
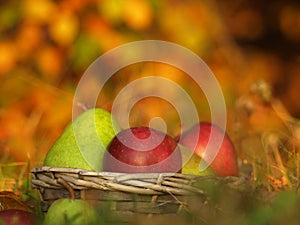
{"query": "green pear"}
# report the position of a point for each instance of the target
(84, 141)
(70, 212)
(191, 163)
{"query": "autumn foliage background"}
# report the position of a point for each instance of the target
(46, 45)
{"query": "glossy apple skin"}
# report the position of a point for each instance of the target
(196, 139)
(17, 217)
(142, 150)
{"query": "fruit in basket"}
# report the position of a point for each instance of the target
(17, 217)
(84, 141)
(197, 138)
(142, 150)
(72, 212)
(191, 163)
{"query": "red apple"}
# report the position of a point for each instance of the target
(142, 150)
(197, 139)
(17, 217)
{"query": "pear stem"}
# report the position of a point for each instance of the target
(67, 186)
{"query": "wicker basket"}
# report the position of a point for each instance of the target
(127, 195)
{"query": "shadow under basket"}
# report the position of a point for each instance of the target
(125, 195)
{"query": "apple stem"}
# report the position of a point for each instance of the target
(67, 186)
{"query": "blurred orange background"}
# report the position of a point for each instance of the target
(46, 45)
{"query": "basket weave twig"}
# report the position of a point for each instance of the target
(127, 194)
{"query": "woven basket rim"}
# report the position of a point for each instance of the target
(137, 183)
(105, 173)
